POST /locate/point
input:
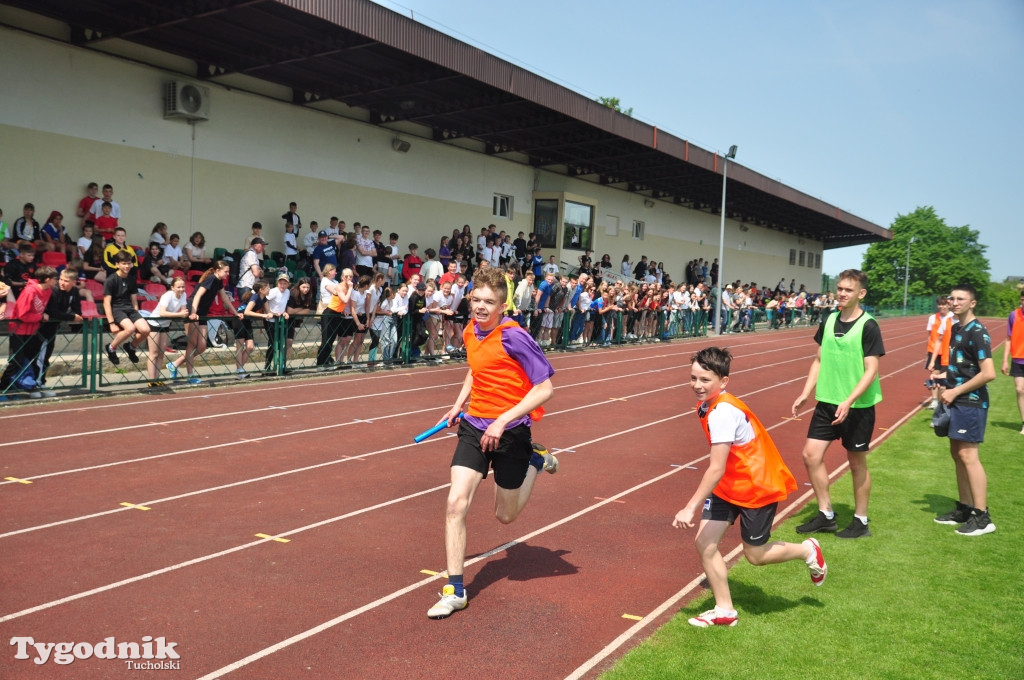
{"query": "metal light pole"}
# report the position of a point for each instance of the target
(721, 239)
(906, 275)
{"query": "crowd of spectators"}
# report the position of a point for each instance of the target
(363, 287)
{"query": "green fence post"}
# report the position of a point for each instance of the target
(95, 340)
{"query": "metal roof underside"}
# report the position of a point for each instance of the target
(369, 57)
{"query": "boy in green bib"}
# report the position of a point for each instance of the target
(844, 378)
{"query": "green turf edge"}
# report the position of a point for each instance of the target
(913, 601)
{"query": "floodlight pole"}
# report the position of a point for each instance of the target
(906, 275)
(721, 240)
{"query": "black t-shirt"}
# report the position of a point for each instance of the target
(969, 345)
(17, 271)
(871, 338)
(212, 287)
(120, 291)
(520, 245)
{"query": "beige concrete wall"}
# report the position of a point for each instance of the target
(72, 115)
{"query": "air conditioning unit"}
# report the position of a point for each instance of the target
(185, 100)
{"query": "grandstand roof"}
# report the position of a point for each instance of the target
(399, 71)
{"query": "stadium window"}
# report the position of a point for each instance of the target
(817, 261)
(802, 255)
(578, 223)
(638, 230)
(792, 256)
(502, 207)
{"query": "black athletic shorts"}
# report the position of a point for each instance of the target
(855, 431)
(939, 365)
(347, 327)
(120, 314)
(755, 523)
(1016, 370)
(242, 328)
(510, 461)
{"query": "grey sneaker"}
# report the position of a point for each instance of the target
(960, 514)
(448, 604)
(818, 523)
(977, 524)
(550, 462)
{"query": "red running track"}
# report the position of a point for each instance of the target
(352, 517)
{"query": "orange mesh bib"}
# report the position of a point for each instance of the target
(499, 382)
(755, 474)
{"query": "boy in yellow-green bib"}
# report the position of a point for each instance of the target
(844, 378)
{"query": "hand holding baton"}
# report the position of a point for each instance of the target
(434, 430)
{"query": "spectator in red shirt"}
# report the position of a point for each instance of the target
(412, 262)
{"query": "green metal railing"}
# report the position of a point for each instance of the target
(77, 362)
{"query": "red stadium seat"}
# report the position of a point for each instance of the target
(95, 288)
(54, 259)
(89, 310)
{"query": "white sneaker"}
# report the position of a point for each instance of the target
(47, 393)
(714, 617)
(819, 570)
(448, 604)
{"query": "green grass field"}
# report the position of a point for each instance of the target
(915, 600)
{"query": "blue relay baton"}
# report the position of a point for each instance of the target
(434, 430)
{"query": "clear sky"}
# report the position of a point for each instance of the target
(875, 107)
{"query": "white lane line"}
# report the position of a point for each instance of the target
(204, 558)
(325, 427)
(321, 523)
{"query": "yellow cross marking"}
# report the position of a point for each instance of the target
(632, 617)
(136, 507)
(19, 481)
(429, 573)
(274, 538)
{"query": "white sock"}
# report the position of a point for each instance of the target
(812, 558)
(863, 520)
(829, 514)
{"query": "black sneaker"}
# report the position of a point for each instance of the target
(130, 351)
(818, 523)
(112, 355)
(977, 524)
(856, 529)
(958, 515)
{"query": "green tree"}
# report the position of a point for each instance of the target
(940, 258)
(613, 103)
(999, 299)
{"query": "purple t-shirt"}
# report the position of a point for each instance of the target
(524, 350)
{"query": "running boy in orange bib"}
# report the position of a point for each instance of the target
(746, 478)
(508, 380)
